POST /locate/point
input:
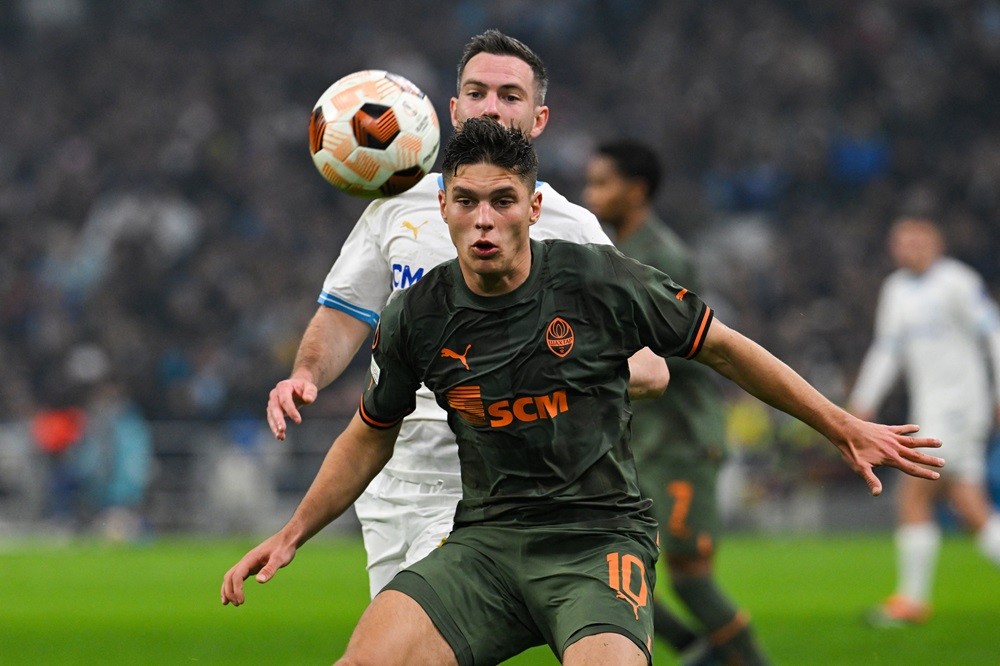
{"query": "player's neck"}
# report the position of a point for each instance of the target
(919, 267)
(631, 222)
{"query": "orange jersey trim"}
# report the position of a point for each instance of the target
(699, 338)
(369, 421)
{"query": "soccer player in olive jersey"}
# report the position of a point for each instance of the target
(408, 508)
(525, 344)
(679, 438)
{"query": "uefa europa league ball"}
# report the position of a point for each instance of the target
(373, 134)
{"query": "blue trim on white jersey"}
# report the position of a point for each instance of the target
(331, 301)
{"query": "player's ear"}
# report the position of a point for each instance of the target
(541, 120)
(442, 198)
(536, 206)
(452, 106)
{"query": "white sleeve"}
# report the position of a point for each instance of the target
(588, 228)
(564, 220)
(357, 282)
(881, 363)
(993, 342)
(592, 231)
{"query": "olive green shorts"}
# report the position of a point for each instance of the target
(685, 505)
(494, 592)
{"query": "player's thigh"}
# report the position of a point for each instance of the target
(607, 648)
(686, 506)
(394, 629)
(466, 589)
(581, 583)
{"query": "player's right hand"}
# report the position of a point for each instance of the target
(285, 399)
(264, 561)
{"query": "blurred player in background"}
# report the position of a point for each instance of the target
(679, 438)
(935, 323)
(553, 543)
(408, 509)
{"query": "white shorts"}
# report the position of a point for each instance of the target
(963, 446)
(402, 521)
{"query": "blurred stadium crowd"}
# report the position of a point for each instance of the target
(163, 225)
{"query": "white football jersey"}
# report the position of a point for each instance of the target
(394, 243)
(936, 328)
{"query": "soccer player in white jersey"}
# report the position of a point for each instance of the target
(934, 323)
(408, 508)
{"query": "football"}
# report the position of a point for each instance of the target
(373, 134)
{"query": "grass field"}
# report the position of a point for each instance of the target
(158, 603)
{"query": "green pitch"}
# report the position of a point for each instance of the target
(158, 603)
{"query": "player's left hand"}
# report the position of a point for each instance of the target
(872, 445)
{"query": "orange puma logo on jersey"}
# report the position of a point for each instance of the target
(415, 228)
(447, 353)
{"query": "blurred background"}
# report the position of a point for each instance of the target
(164, 234)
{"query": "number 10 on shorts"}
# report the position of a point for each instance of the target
(623, 570)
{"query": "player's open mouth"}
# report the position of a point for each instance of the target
(484, 248)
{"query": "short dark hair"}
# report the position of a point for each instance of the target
(485, 141)
(495, 42)
(635, 160)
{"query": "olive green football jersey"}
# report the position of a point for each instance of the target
(535, 381)
(688, 421)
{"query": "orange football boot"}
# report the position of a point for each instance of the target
(898, 611)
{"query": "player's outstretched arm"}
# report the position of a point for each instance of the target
(330, 342)
(353, 460)
(863, 445)
(648, 375)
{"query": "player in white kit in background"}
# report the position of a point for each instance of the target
(408, 508)
(936, 324)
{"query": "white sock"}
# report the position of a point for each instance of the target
(917, 549)
(988, 539)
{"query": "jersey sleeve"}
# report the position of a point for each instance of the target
(357, 282)
(669, 319)
(881, 363)
(390, 392)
